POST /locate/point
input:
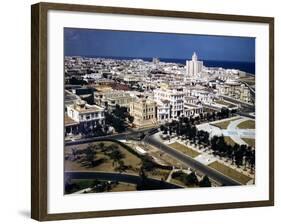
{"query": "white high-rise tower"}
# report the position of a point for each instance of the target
(194, 67)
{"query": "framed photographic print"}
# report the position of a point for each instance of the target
(139, 111)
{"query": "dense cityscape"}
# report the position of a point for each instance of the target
(134, 124)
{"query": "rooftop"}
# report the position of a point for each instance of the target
(88, 109)
(68, 121)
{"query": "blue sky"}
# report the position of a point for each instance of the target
(108, 43)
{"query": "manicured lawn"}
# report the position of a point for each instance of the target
(224, 124)
(184, 149)
(249, 124)
(229, 141)
(235, 175)
(177, 182)
(250, 141)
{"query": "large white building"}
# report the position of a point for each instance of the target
(193, 67)
(175, 96)
(81, 116)
(163, 111)
(192, 110)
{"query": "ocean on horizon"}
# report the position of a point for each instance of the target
(248, 67)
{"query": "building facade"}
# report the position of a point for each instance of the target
(192, 110)
(163, 111)
(175, 96)
(235, 90)
(110, 99)
(144, 112)
(81, 116)
(194, 67)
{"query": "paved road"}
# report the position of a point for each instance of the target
(246, 106)
(211, 173)
(253, 92)
(133, 133)
(122, 177)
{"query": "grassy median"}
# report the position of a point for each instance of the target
(224, 124)
(184, 149)
(250, 141)
(249, 124)
(233, 174)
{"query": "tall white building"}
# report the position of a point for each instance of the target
(194, 66)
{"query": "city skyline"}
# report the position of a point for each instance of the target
(132, 44)
(170, 119)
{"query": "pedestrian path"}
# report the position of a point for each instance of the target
(232, 130)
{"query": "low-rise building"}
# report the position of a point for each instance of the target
(192, 110)
(235, 90)
(81, 116)
(144, 112)
(110, 99)
(163, 111)
(175, 96)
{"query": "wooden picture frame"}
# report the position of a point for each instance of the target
(39, 108)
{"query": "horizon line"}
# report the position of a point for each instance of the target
(151, 57)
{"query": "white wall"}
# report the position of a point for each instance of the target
(15, 134)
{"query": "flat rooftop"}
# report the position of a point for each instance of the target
(88, 109)
(68, 121)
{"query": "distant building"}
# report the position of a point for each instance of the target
(144, 112)
(110, 99)
(194, 67)
(235, 90)
(70, 98)
(155, 60)
(204, 95)
(85, 93)
(130, 79)
(192, 110)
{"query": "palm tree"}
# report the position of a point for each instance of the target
(74, 151)
(252, 160)
(214, 115)
(121, 166)
(201, 116)
(208, 116)
(205, 182)
(191, 179)
(101, 146)
(90, 153)
(116, 155)
(239, 155)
